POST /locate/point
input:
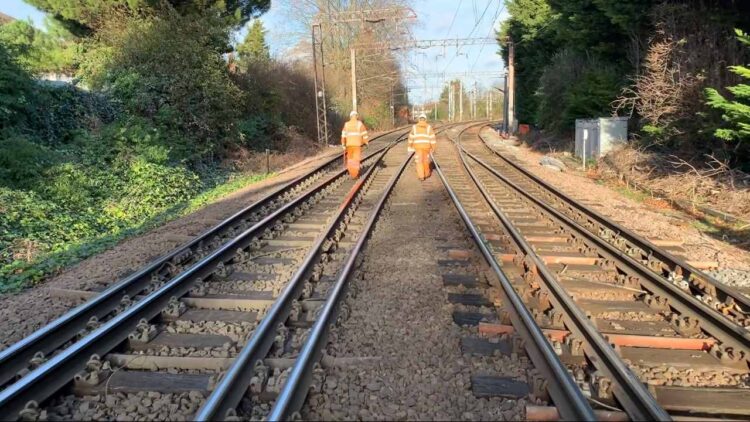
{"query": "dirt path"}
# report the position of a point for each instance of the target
(402, 318)
(22, 313)
(654, 221)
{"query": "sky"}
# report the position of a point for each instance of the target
(20, 10)
(436, 19)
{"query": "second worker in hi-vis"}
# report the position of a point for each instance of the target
(353, 138)
(422, 142)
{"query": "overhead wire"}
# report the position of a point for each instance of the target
(499, 10)
(476, 24)
(453, 20)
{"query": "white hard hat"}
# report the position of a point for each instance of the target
(353, 113)
(422, 116)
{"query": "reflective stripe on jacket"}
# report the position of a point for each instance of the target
(421, 136)
(354, 134)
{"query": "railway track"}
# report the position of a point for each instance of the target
(254, 250)
(245, 307)
(233, 324)
(102, 305)
(639, 329)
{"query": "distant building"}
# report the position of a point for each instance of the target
(5, 18)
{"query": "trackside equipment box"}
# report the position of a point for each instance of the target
(596, 137)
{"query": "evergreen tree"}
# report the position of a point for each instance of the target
(38, 51)
(83, 15)
(15, 90)
(531, 26)
(736, 112)
(254, 47)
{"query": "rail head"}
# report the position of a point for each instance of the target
(67, 326)
(54, 374)
(566, 394)
(228, 393)
(230, 390)
(678, 265)
(713, 322)
(292, 396)
(637, 401)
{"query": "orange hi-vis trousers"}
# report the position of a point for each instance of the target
(422, 160)
(422, 142)
(353, 158)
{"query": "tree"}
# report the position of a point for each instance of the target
(85, 15)
(169, 72)
(583, 26)
(530, 26)
(736, 111)
(38, 51)
(254, 47)
(15, 90)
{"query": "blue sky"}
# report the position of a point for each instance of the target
(20, 10)
(436, 19)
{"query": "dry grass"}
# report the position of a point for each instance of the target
(709, 183)
(296, 148)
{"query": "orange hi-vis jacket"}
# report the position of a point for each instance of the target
(421, 137)
(354, 134)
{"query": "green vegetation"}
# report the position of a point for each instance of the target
(86, 17)
(51, 237)
(735, 113)
(649, 59)
(36, 51)
(169, 73)
(254, 48)
(150, 130)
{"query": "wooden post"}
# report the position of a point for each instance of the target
(354, 78)
(511, 92)
(268, 161)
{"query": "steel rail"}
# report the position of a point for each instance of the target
(563, 390)
(711, 320)
(67, 326)
(229, 392)
(632, 394)
(678, 265)
(54, 374)
(231, 388)
(292, 396)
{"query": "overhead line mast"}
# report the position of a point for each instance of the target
(372, 16)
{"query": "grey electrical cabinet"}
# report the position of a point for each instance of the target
(596, 137)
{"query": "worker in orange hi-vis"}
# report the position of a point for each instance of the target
(422, 143)
(353, 138)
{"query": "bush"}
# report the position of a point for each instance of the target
(76, 209)
(136, 137)
(22, 161)
(735, 110)
(258, 131)
(152, 188)
(592, 94)
(37, 51)
(15, 90)
(169, 71)
(60, 114)
(574, 87)
(31, 225)
(77, 187)
(275, 96)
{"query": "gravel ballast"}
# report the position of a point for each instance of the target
(24, 312)
(653, 222)
(400, 316)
